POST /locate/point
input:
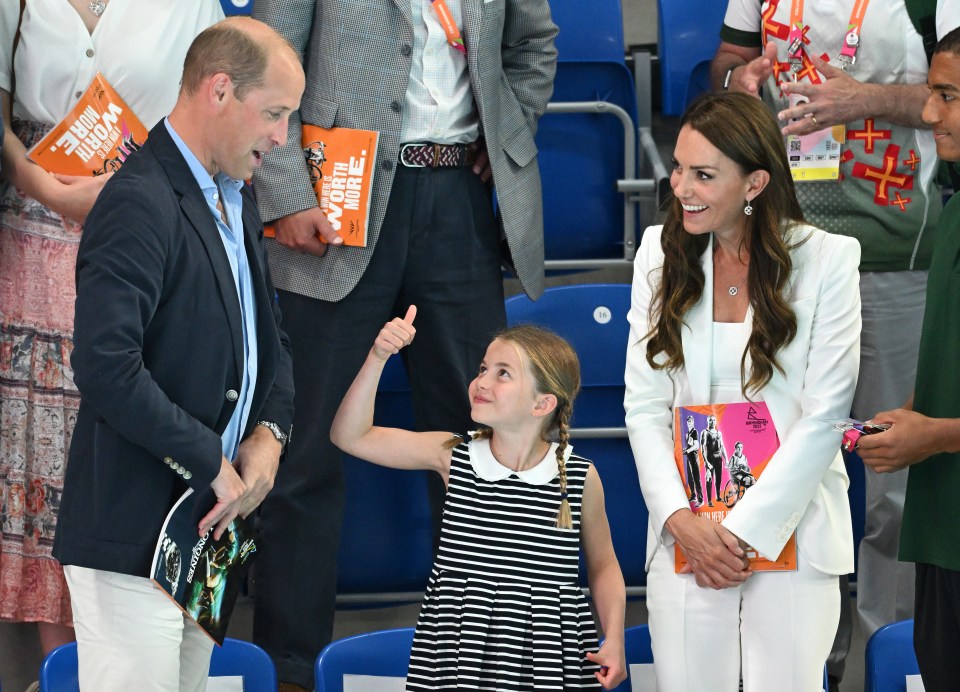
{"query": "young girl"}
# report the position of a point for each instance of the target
(503, 609)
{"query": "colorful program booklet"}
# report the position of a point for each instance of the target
(721, 450)
(95, 138)
(340, 161)
(201, 574)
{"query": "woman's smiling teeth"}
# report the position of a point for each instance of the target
(693, 207)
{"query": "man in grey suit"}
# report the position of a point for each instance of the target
(450, 121)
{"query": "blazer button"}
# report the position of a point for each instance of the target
(232, 395)
(395, 106)
(406, 50)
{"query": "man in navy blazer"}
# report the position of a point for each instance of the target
(184, 373)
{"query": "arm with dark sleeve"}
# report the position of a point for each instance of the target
(529, 55)
(121, 268)
(278, 408)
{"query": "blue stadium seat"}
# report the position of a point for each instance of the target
(891, 658)
(236, 6)
(582, 155)
(58, 672)
(383, 653)
(689, 34)
(593, 318)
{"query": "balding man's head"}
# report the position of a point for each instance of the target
(239, 47)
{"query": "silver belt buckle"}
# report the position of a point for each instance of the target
(405, 147)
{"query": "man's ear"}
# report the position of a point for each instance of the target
(545, 405)
(219, 87)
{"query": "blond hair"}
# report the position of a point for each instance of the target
(556, 370)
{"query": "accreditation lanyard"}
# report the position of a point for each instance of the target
(851, 40)
(449, 26)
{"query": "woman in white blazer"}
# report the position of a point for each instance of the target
(736, 299)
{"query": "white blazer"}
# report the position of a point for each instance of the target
(804, 487)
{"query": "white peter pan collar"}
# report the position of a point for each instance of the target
(489, 469)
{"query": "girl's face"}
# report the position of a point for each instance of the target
(502, 395)
(710, 186)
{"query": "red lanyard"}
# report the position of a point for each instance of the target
(851, 40)
(449, 26)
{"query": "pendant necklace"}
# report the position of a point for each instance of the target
(97, 7)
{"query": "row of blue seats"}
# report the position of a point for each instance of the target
(890, 658)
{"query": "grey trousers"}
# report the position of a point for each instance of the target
(892, 310)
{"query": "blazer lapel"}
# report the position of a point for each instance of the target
(698, 336)
(404, 7)
(197, 214)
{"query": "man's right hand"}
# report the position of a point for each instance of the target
(303, 230)
(229, 489)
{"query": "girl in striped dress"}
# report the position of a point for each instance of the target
(503, 608)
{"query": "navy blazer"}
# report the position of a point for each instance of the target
(157, 357)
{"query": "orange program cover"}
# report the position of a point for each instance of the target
(720, 451)
(340, 161)
(95, 138)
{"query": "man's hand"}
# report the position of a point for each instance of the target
(257, 462)
(912, 437)
(303, 230)
(837, 100)
(713, 553)
(229, 489)
(750, 77)
(481, 166)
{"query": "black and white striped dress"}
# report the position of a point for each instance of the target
(503, 609)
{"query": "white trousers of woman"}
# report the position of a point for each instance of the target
(776, 628)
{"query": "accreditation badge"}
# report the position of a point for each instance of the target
(816, 156)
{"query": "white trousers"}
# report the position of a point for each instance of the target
(777, 628)
(131, 636)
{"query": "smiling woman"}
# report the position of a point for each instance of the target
(736, 299)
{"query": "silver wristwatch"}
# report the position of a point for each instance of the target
(277, 432)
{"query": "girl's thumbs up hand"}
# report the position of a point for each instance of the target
(396, 334)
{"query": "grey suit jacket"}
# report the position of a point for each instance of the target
(357, 61)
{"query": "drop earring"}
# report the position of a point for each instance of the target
(747, 209)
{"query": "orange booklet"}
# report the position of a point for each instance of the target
(720, 451)
(340, 160)
(95, 138)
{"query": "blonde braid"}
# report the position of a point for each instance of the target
(481, 434)
(564, 518)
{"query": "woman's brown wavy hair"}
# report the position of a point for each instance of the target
(745, 131)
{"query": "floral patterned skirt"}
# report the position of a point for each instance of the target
(38, 399)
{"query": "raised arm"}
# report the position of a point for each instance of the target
(353, 430)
